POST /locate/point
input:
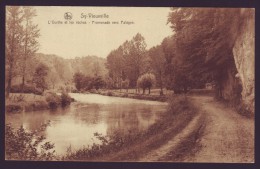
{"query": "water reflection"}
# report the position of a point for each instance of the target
(75, 125)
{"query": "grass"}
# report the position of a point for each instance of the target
(154, 96)
(18, 102)
(202, 92)
(187, 149)
(27, 102)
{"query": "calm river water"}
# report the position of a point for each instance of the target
(75, 125)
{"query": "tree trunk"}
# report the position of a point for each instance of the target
(9, 84)
(161, 86)
(143, 90)
(161, 92)
(149, 90)
(10, 76)
(23, 84)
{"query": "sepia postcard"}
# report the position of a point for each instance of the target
(129, 84)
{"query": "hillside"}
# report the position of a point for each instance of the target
(61, 70)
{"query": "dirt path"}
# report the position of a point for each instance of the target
(173, 143)
(226, 137)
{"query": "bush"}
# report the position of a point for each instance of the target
(109, 93)
(65, 99)
(53, 100)
(26, 89)
(75, 91)
(179, 103)
(125, 95)
(37, 105)
(24, 145)
(13, 108)
(93, 91)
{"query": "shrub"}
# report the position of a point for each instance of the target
(13, 108)
(93, 91)
(125, 95)
(26, 89)
(65, 99)
(24, 145)
(75, 91)
(53, 100)
(109, 93)
(146, 81)
(37, 105)
(179, 103)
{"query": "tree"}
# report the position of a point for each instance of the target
(29, 40)
(201, 45)
(78, 79)
(157, 62)
(134, 54)
(115, 65)
(96, 68)
(14, 18)
(53, 79)
(39, 77)
(59, 67)
(146, 81)
(125, 84)
(98, 82)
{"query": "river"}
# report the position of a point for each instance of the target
(75, 125)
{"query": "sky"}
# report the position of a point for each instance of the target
(76, 40)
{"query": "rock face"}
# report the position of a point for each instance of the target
(244, 56)
(231, 85)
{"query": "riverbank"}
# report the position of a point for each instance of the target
(18, 102)
(154, 96)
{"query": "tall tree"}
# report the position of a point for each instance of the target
(157, 62)
(115, 65)
(39, 77)
(14, 18)
(78, 79)
(201, 39)
(128, 61)
(96, 68)
(135, 57)
(30, 43)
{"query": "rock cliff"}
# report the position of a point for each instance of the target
(244, 56)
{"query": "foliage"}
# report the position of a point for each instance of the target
(25, 89)
(201, 47)
(13, 107)
(125, 84)
(146, 81)
(83, 82)
(98, 82)
(39, 77)
(109, 93)
(53, 100)
(13, 47)
(30, 42)
(78, 80)
(178, 104)
(21, 43)
(127, 61)
(25, 145)
(65, 99)
(157, 62)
